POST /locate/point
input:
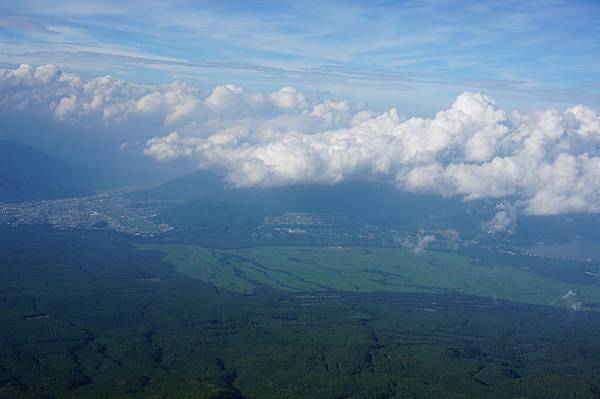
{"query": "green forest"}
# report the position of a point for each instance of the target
(97, 314)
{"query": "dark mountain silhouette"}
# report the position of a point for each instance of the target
(28, 174)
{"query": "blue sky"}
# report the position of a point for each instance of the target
(416, 56)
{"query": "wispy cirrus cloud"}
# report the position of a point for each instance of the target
(24, 23)
(383, 50)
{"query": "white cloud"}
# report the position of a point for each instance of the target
(504, 221)
(289, 98)
(548, 162)
(70, 97)
(232, 97)
(419, 243)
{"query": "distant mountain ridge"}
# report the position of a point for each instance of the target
(208, 203)
(347, 197)
(194, 186)
(27, 174)
(211, 208)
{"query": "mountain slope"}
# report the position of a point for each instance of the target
(349, 198)
(28, 174)
(191, 187)
(208, 202)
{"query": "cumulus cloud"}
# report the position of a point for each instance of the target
(232, 97)
(546, 162)
(504, 221)
(289, 98)
(67, 96)
(572, 300)
(419, 244)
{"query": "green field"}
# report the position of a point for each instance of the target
(311, 269)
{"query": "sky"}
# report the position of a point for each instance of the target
(414, 55)
(482, 99)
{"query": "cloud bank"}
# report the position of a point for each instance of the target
(546, 162)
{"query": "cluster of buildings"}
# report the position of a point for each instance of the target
(106, 210)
